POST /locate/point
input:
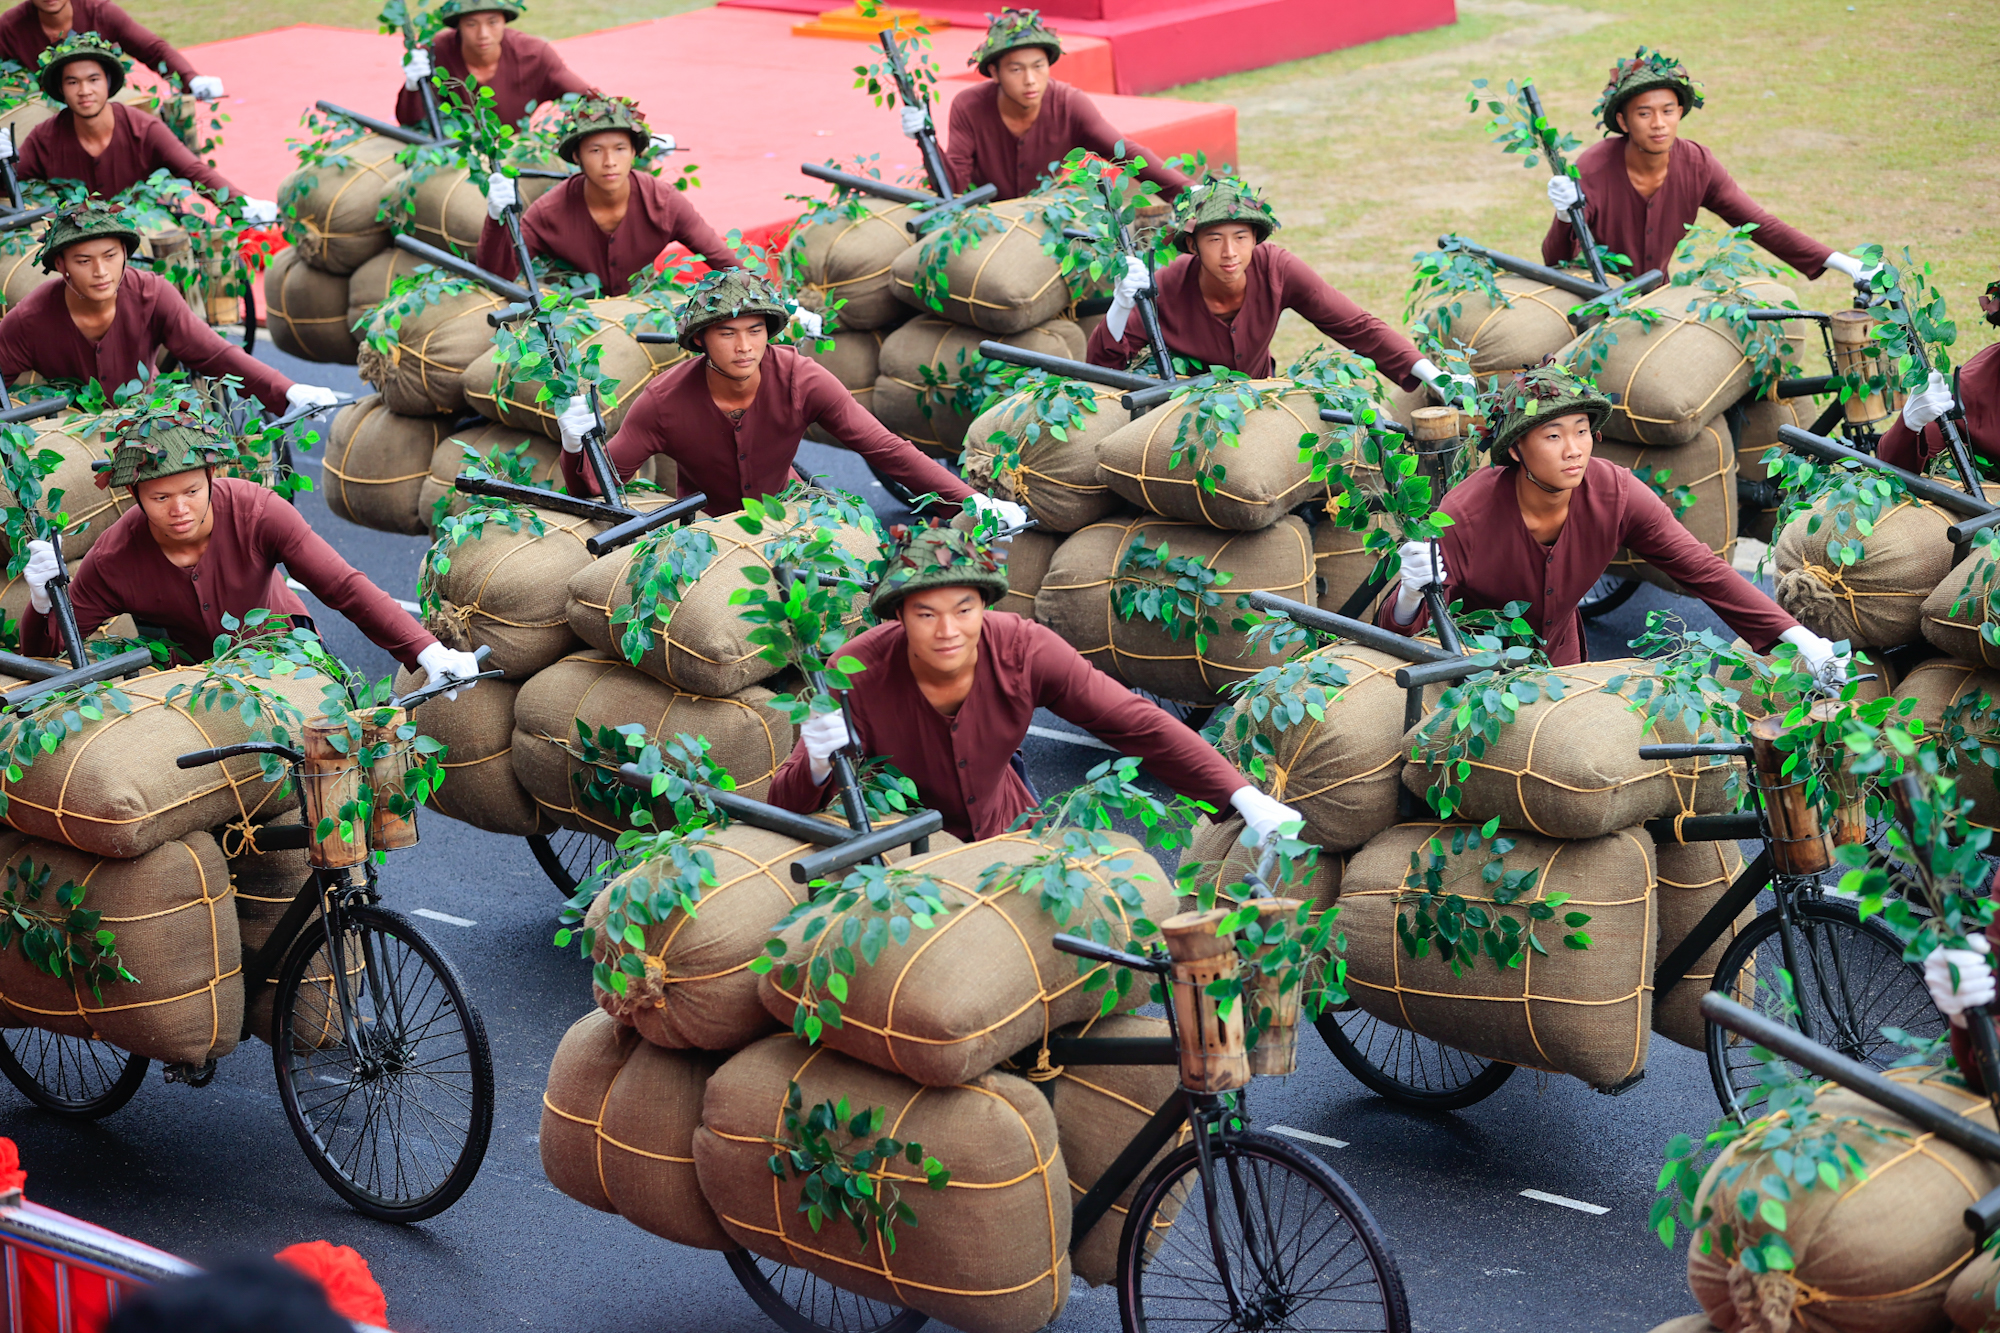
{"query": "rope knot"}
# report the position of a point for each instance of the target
(1043, 1070)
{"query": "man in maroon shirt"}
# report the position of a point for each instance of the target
(106, 145)
(610, 220)
(1916, 438)
(1541, 526)
(733, 416)
(196, 548)
(522, 71)
(1009, 132)
(33, 26)
(1643, 188)
(106, 321)
(948, 689)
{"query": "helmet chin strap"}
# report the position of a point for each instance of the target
(1529, 473)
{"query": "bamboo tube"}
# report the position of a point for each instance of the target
(388, 830)
(1799, 846)
(1850, 357)
(1850, 820)
(1212, 1054)
(329, 780)
(1277, 1050)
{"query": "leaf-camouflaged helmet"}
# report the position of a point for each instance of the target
(730, 293)
(1642, 72)
(451, 11)
(80, 46)
(158, 443)
(1518, 403)
(597, 115)
(936, 556)
(1221, 199)
(84, 222)
(1009, 30)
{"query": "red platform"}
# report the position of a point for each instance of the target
(1157, 44)
(748, 97)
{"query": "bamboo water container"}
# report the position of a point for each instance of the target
(330, 781)
(388, 830)
(1213, 1058)
(1277, 1050)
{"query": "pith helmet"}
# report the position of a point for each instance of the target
(1013, 28)
(1221, 199)
(1519, 403)
(80, 46)
(87, 221)
(451, 11)
(730, 293)
(1642, 72)
(595, 115)
(159, 444)
(937, 557)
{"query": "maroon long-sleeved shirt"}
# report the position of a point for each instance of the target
(1647, 230)
(1978, 394)
(140, 144)
(677, 416)
(23, 41)
(39, 335)
(530, 71)
(981, 150)
(1491, 558)
(1278, 280)
(960, 763)
(255, 532)
(559, 224)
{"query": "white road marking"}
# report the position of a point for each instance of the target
(445, 917)
(1072, 738)
(296, 586)
(1307, 1135)
(1560, 1202)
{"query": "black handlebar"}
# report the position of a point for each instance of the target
(203, 758)
(1104, 953)
(1730, 750)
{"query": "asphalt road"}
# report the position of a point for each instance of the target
(215, 1172)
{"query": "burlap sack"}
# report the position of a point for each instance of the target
(265, 884)
(1265, 476)
(449, 211)
(1583, 1012)
(1226, 862)
(1058, 481)
(1342, 563)
(176, 932)
(544, 457)
(1028, 557)
(927, 360)
(1877, 602)
(745, 735)
(1707, 467)
(1961, 606)
(1970, 1301)
(111, 787)
(1941, 684)
(306, 310)
(1075, 601)
(848, 259)
(586, 1064)
(328, 211)
(1877, 1256)
(423, 372)
(1570, 768)
(1693, 877)
(703, 643)
(1530, 327)
(1002, 283)
(477, 730)
(989, 1252)
(856, 361)
(985, 981)
(376, 463)
(91, 511)
(509, 591)
(1762, 419)
(626, 360)
(20, 275)
(23, 117)
(369, 285)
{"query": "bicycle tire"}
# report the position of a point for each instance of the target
(1606, 595)
(69, 1076)
(1166, 1257)
(801, 1302)
(1406, 1068)
(416, 1038)
(1870, 988)
(566, 856)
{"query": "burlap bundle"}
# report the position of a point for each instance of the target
(632, 363)
(176, 932)
(1226, 862)
(329, 211)
(1266, 478)
(20, 275)
(369, 285)
(449, 211)
(1707, 467)
(111, 787)
(990, 1251)
(1960, 608)
(856, 361)
(985, 981)
(23, 117)
(1058, 481)
(1342, 562)
(1530, 327)
(1075, 601)
(1583, 1012)
(423, 372)
(1570, 768)
(1762, 419)
(509, 591)
(306, 310)
(1970, 1300)
(703, 644)
(376, 464)
(265, 885)
(1876, 1256)
(1941, 684)
(746, 736)
(848, 259)
(586, 1064)
(91, 511)
(926, 360)
(1002, 283)
(1028, 557)
(1693, 877)
(1877, 602)
(477, 730)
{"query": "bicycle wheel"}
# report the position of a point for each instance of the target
(1398, 1064)
(1851, 982)
(566, 856)
(799, 1302)
(73, 1077)
(396, 1118)
(1303, 1251)
(1606, 595)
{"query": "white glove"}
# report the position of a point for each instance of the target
(1419, 572)
(310, 395)
(823, 735)
(1921, 409)
(206, 87)
(1563, 194)
(808, 321)
(1261, 813)
(914, 121)
(501, 195)
(1828, 667)
(1125, 296)
(1009, 514)
(259, 210)
(1853, 267)
(576, 421)
(664, 143)
(416, 68)
(440, 664)
(42, 567)
(1446, 386)
(1975, 977)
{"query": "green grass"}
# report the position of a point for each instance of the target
(187, 24)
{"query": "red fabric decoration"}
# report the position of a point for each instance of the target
(350, 1288)
(12, 1177)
